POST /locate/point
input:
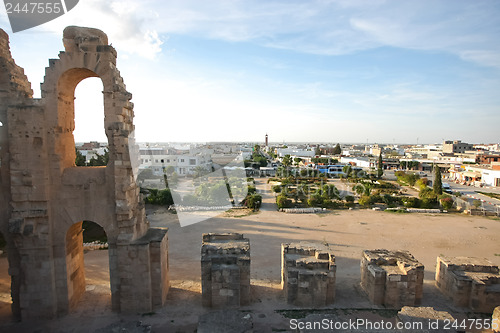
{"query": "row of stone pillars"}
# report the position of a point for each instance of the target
(308, 271)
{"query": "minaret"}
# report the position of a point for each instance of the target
(267, 140)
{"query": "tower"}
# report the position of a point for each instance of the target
(267, 140)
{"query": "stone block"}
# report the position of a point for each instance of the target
(469, 282)
(225, 270)
(391, 278)
(308, 274)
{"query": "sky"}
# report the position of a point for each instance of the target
(371, 71)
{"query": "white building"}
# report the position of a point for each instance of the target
(158, 159)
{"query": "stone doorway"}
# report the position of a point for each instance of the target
(87, 268)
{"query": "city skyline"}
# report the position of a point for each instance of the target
(325, 71)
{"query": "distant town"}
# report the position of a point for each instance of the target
(464, 163)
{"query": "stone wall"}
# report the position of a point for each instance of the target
(392, 278)
(469, 282)
(308, 274)
(225, 270)
(44, 196)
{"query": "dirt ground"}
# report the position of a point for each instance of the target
(348, 232)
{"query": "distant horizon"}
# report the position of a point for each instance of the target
(274, 143)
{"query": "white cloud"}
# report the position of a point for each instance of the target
(130, 25)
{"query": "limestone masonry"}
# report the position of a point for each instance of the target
(392, 278)
(308, 274)
(225, 270)
(44, 197)
(469, 282)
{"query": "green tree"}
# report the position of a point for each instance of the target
(380, 170)
(287, 161)
(337, 150)
(297, 160)
(438, 184)
(317, 151)
(347, 169)
(256, 148)
(80, 159)
(100, 160)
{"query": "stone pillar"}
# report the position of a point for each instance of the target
(225, 270)
(392, 278)
(469, 282)
(308, 274)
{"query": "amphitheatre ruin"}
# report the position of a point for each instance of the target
(255, 271)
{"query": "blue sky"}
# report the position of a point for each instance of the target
(329, 71)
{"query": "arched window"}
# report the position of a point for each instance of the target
(90, 137)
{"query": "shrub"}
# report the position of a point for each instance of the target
(365, 200)
(411, 202)
(316, 200)
(253, 201)
(349, 198)
(276, 188)
(283, 202)
(447, 203)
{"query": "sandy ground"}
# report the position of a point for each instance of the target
(426, 236)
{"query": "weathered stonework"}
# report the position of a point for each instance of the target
(44, 197)
(419, 319)
(308, 274)
(469, 282)
(392, 278)
(225, 270)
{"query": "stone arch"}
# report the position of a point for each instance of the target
(75, 264)
(43, 193)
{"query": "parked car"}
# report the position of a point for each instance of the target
(447, 188)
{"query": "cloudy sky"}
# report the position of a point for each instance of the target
(326, 70)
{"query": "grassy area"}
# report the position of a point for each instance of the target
(491, 195)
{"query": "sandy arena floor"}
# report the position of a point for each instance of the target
(348, 232)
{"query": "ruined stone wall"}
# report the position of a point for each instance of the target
(469, 282)
(45, 195)
(225, 270)
(308, 273)
(392, 278)
(14, 86)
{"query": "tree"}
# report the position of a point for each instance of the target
(337, 150)
(317, 151)
(256, 148)
(438, 184)
(287, 161)
(80, 159)
(297, 160)
(380, 170)
(100, 160)
(347, 169)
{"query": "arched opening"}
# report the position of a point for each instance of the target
(5, 283)
(87, 267)
(89, 134)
